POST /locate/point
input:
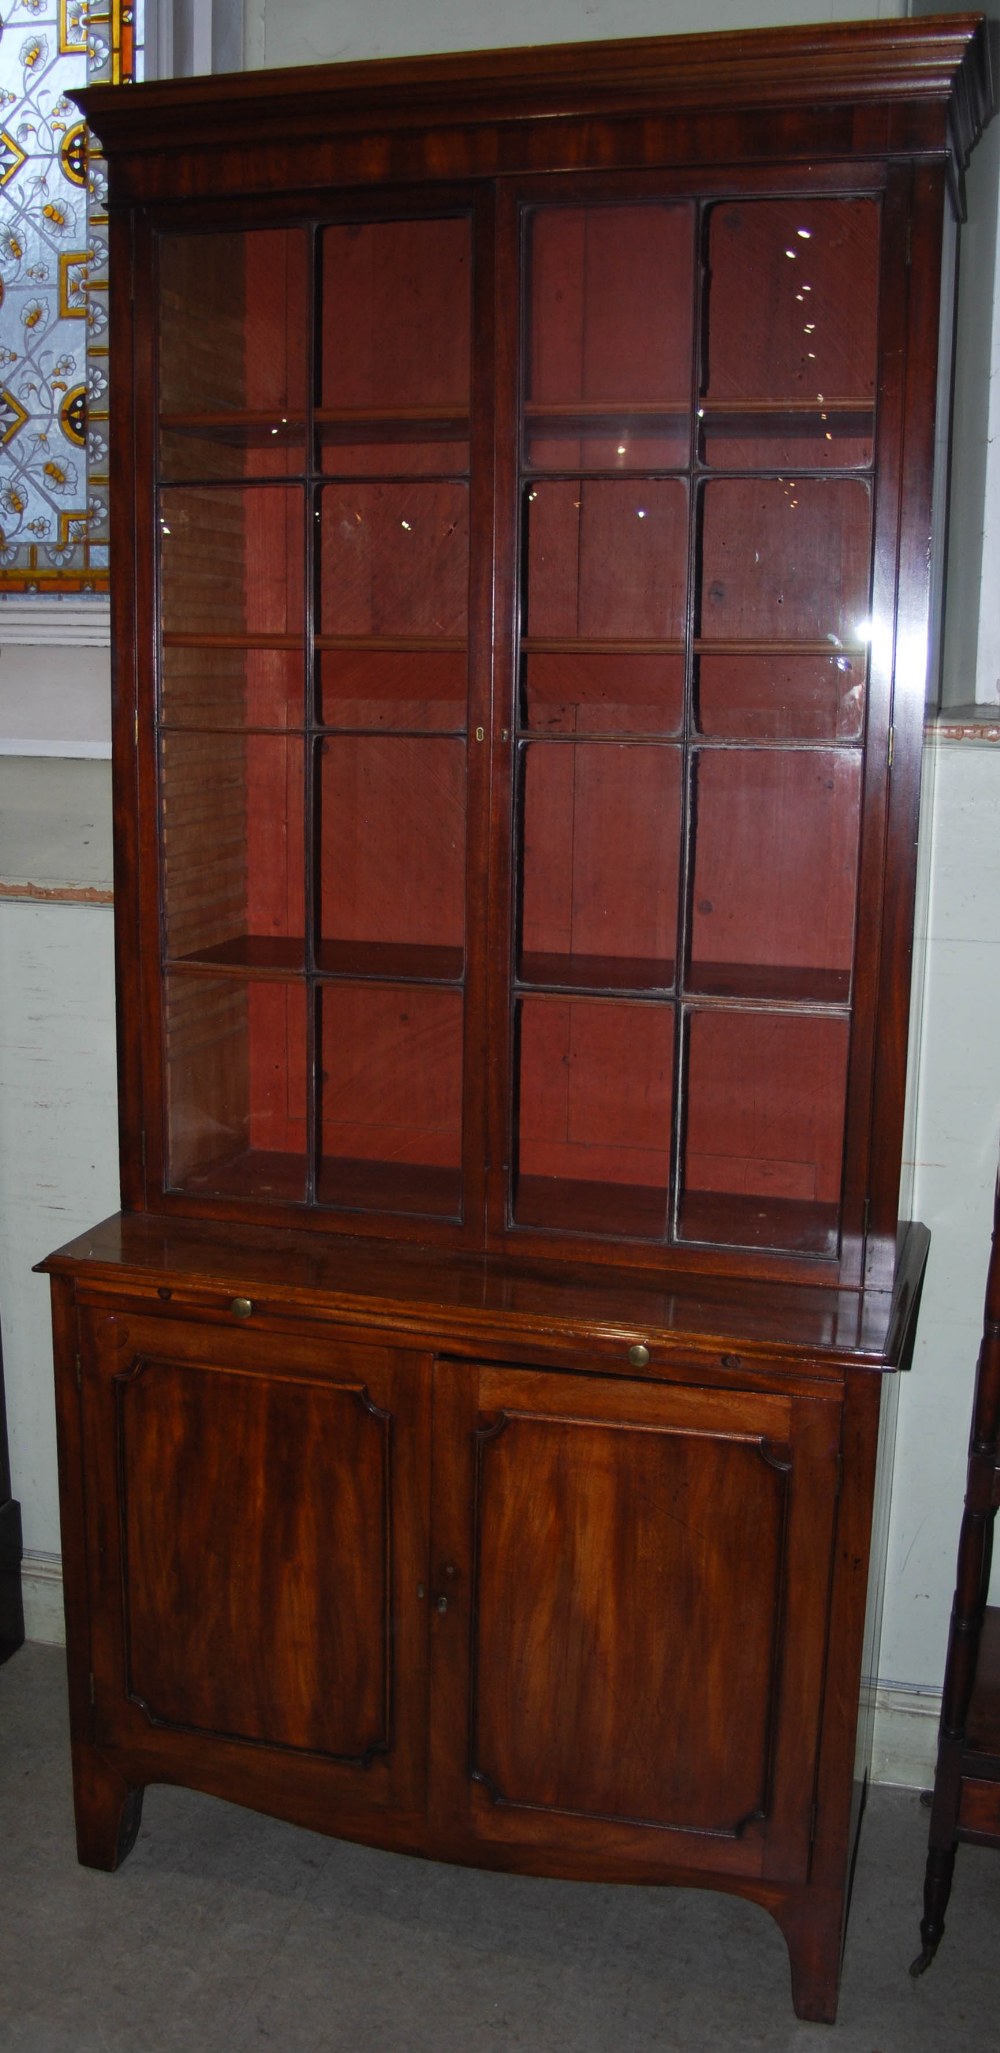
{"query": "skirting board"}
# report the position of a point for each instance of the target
(906, 1718)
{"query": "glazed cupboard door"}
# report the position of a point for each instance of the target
(631, 1585)
(693, 673)
(256, 1533)
(319, 806)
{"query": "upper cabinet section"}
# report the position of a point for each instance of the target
(526, 652)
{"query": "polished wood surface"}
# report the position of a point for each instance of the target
(475, 1429)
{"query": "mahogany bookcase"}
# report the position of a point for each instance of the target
(474, 1426)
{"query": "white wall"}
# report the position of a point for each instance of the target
(320, 31)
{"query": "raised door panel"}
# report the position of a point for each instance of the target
(632, 1646)
(257, 1539)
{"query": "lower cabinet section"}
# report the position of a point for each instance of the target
(561, 1617)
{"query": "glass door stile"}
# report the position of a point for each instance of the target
(681, 1003)
(313, 711)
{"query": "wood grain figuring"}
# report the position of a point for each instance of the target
(601, 1713)
(310, 1565)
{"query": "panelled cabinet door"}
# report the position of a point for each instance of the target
(630, 1627)
(257, 1527)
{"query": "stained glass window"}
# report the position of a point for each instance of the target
(53, 291)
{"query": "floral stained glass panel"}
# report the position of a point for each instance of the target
(53, 291)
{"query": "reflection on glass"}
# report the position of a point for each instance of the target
(577, 692)
(791, 342)
(766, 1094)
(601, 836)
(232, 814)
(231, 687)
(236, 1087)
(392, 855)
(593, 1121)
(395, 561)
(391, 1104)
(396, 347)
(781, 697)
(786, 559)
(607, 560)
(609, 337)
(231, 561)
(775, 873)
(393, 689)
(229, 406)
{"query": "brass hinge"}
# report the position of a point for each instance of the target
(892, 744)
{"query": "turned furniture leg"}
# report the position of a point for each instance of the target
(937, 1889)
(108, 1811)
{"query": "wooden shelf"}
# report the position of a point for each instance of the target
(417, 1189)
(283, 958)
(746, 1219)
(792, 983)
(599, 974)
(609, 1210)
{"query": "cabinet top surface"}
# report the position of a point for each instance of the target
(481, 1296)
(939, 59)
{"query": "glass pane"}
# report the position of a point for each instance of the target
(775, 873)
(395, 562)
(233, 353)
(392, 880)
(393, 688)
(791, 363)
(601, 839)
(233, 688)
(571, 692)
(396, 347)
(609, 337)
(765, 1130)
(781, 697)
(786, 560)
(607, 560)
(593, 1120)
(232, 825)
(236, 1087)
(231, 561)
(391, 1099)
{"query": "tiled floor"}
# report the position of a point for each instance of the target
(226, 1932)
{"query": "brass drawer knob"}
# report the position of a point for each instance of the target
(639, 1355)
(241, 1307)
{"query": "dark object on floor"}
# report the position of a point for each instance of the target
(11, 1607)
(966, 1799)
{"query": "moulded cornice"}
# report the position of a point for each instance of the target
(939, 61)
